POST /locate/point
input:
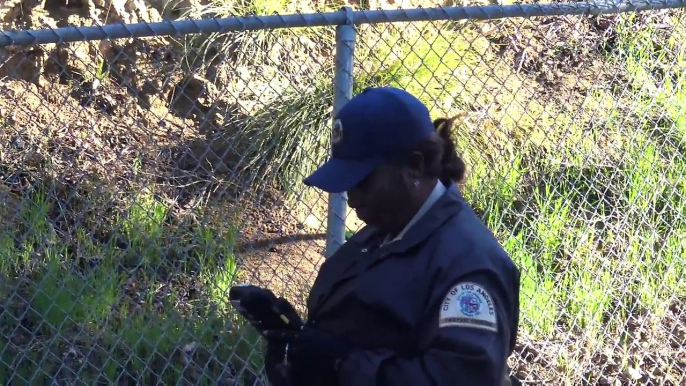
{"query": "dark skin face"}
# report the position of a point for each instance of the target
(388, 198)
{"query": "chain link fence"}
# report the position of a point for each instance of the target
(146, 167)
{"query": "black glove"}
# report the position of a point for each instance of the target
(311, 349)
(284, 308)
(263, 309)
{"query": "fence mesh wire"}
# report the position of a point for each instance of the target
(141, 178)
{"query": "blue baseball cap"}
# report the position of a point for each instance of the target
(372, 128)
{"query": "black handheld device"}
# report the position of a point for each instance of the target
(263, 309)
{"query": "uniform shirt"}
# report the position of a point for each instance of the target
(438, 306)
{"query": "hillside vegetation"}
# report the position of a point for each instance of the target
(141, 178)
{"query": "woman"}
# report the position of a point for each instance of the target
(424, 294)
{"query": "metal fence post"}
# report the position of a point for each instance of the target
(343, 91)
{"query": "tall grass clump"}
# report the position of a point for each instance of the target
(287, 137)
(288, 56)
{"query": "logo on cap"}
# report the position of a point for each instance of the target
(337, 132)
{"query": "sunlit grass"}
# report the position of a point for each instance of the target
(106, 303)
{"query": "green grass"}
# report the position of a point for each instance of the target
(592, 261)
(598, 227)
(656, 60)
(113, 313)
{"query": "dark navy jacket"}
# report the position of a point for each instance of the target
(440, 306)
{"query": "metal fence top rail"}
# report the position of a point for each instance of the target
(343, 16)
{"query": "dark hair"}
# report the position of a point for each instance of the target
(440, 155)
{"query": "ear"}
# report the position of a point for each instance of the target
(414, 169)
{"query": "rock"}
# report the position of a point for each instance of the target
(126, 11)
(193, 95)
(175, 9)
(10, 10)
(26, 65)
(79, 57)
(633, 373)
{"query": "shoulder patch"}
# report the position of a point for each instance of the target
(468, 305)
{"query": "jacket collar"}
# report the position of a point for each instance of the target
(442, 209)
(437, 192)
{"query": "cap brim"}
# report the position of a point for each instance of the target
(339, 175)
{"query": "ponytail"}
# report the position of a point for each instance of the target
(440, 155)
(452, 166)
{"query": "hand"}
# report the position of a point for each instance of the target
(311, 348)
(252, 302)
